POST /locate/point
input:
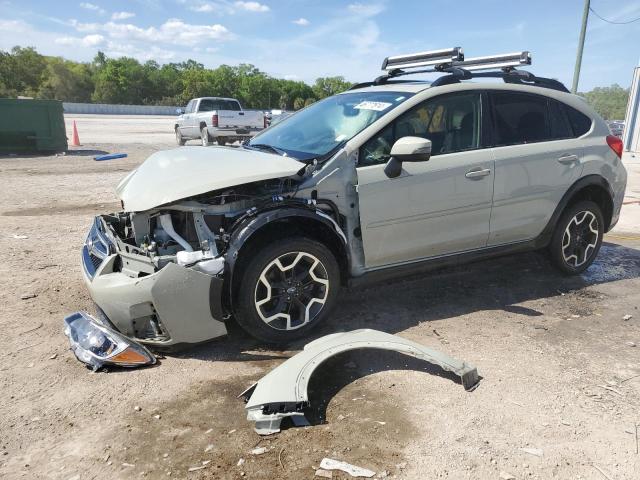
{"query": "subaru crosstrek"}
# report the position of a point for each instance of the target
(387, 178)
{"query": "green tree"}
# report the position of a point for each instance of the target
(67, 81)
(298, 103)
(609, 102)
(121, 81)
(327, 86)
(309, 101)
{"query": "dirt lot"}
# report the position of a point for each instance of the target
(560, 373)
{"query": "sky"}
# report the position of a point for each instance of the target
(304, 39)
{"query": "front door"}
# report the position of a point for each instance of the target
(436, 207)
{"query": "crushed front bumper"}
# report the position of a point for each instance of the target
(173, 306)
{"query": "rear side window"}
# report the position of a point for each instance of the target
(580, 123)
(558, 121)
(519, 118)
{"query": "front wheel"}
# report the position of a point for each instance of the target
(179, 138)
(577, 238)
(287, 289)
(221, 141)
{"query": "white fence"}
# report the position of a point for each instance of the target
(102, 108)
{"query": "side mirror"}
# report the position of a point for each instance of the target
(407, 149)
(179, 111)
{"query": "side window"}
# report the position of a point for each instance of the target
(206, 106)
(519, 118)
(451, 122)
(580, 123)
(558, 121)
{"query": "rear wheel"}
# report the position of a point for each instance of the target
(204, 137)
(578, 237)
(221, 141)
(179, 138)
(287, 289)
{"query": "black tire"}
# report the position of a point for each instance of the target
(251, 289)
(221, 141)
(179, 138)
(574, 245)
(204, 137)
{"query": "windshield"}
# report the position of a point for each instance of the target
(320, 128)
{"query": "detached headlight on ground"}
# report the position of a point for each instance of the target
(96, 344)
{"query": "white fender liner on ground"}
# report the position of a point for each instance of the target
(283, 391)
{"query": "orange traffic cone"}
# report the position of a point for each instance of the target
(75, 140)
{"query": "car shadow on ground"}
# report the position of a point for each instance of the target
(498, 284)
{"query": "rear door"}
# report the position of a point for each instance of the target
(436, 207)
(537, 158)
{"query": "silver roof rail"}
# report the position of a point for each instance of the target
(423, 59)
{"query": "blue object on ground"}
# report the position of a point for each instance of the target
(110, 156)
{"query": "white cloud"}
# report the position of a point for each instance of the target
(303, 22)
(87, 41)
(122, 15)
(252, 6)
(92, 7)
(203, 8)
(93, 40)
(173, 31)
(366, 9)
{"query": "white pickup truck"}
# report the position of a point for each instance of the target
(217, 119)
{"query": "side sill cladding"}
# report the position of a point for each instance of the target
(283, 391)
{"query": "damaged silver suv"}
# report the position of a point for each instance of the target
(390, 177)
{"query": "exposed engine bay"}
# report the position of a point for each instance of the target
(195, 232)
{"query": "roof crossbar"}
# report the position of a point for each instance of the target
(452, 61)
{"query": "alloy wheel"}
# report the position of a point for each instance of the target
(291, 291)
(580, 239)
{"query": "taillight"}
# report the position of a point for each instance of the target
(266, 121)
(214, 120)
(616, 144)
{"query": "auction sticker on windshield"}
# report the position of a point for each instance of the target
(376, 106)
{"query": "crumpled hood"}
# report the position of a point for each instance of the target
(172, 175)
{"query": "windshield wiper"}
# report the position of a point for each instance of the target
(264, 146)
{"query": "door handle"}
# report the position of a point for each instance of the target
(478, 173)
(567, 159)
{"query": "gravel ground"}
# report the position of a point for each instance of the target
(559, 394)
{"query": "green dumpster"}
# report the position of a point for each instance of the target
(31, 126)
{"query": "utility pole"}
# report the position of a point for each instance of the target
(583, 32)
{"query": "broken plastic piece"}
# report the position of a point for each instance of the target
(331, 464)
(109, 156)
(283, 391)
(97, 344)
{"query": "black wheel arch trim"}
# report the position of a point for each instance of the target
(590, 180)
(253, 223)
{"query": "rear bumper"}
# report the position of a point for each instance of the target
(173, 306)
(237, 133)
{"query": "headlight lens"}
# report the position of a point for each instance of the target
(96, 344)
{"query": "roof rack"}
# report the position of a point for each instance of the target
(452, 62)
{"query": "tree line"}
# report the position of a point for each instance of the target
(124, 80)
